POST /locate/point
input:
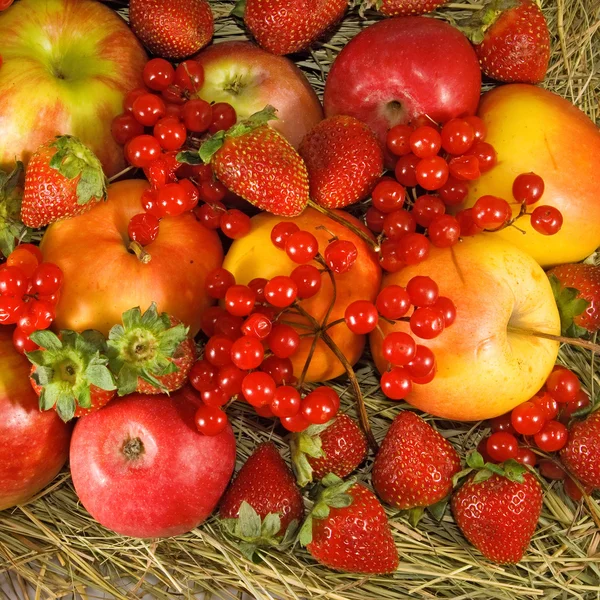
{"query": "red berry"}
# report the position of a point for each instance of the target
(478, 126)
(457, 136)
(32, 249)
(552, 437)
(125, 127)
(374, 219)
(525, 456)
(574, 491)
(281, 233)
(398, 348)
(486, 156)
(235, 224)
(426, 208)
(432, 173)
(46, 279)
(389, 258)
(286, 401)
(361, 317)
(215, 397)
(280, 369)
(398, 224)
(217, 282)
(413, 248)
(547, 404)
(191, 192)
(229, 325)
(223, 117)
(197, 115)
(13, 282)
(398, 139)
(528, 188)
(425, 141)
(281, 291)
(37, 315)
(283, 341)
(170, 133)
(21, 341)
(143, 228)
(212, 191)
(396, 383)
(318, 408)
(444, 231)
(258, 388)
(453, 192)
(502, 423)
(11, 309)
(491, 212)
(447, 308)
(388, 195)
(528, 418)
(422, 290)
(218, 350)
(423, 363)
(256, 325)
(148, 109)
(189, 76)
(24, 260)
(340, 255)
(210, 420)
(258, 285)
(546, 220)
(130, 98)
(427, 323)
(142, 150)
(551, 470)
(239, 300)
(406, 170)
(465, 168)
(308, 280)
(393, 302)
(210, 215)
(301, 247)
(209, 319)
(502, 446)
(247, 353)
(466, 223)
(563, 385)
(203, 375)
(296, 423)
(482, 449)
(158, 74)
(581, 401)
(229, 379)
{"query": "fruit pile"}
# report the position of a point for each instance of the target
(213, 237)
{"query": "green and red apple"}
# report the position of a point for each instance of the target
(66, 67)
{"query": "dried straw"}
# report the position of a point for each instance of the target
(51, 547)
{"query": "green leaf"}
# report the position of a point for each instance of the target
(101, 377)
(313, 446)
(127, 379)
(36, 357)
(69, 338)
(91, 186)
(305, 533)
(239, 9)
(475, 460)
(189, 158)
(94, 340)
(320, 510)
(211, 146)
(84, 397)
(49, 397)
(340, 501)
(262, 117)
(43, 375)
(249, 521)
(46, 339)
(438, 509)
(482, 475)
(569, 307)
(248, 550)
(496, 469)
(415, 514)
(152, 380)
(65, 407)
(514, 470)
(172, 338)
(270, 526)
(116, 332)
(331, 479)
(133, 317)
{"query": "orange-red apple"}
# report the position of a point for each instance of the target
(487, 361)
(533, 129)
(255, 256)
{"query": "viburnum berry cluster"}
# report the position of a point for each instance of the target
(29, 293)
(158, 122)
(542, 423)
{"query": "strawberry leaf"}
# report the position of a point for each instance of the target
(46, 339)
(304, 444)
(415, 514)
(211, 146)
(84, 397)
(48, 397)
(569, 307)
(305, 533)
(249, 521)
(43, 375)
(514, 470)
(482, 475)
(438, 510)
(65, 407)
(101, 377)
(475, 460)
(189, 158)
(127, 379)
(239, 9)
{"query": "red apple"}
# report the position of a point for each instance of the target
(140, 467)
(398, 69)
(103, 278)
(66, 67)
(249, 78)
(34, 445)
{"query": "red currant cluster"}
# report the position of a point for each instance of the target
(491, 213)
(464, 156)
(408, 362)
(544, 418)
(157, 122)
(29, 292)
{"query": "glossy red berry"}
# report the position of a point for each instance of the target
(422, 290)
(217, 282)
(308, 280)
(432, 173)
(388, 196)
(148, 109)
(141, 150)
(413, 248)
(486, 156)
(525, 456)
(170, 133)
(393, 302)
(453, 192)
(425, 141)
(527, 418)
(444, 231)
(258, 388)
(563, 385)
(502, 423)
(423, 363)
(281, 233)
(210, 420)
(426, 208)
(398, 224)
(212, 191)
(203, 375)
(21, 341)
(247, 353)
(239, 300)
(318, 408)
(235, 224)
(398, 139)
(396, 383)
(581, 402)
(223, 117)
(143, 228)
(296, 423)
(448, 309)
(398, 348)
(547, 404)
(218, 350)
(229, 379)
(256, 325)
(189, 76)
(465, 167)
(210, 215)
(427, 322)
(361, 317)
(478, 126)
(301, 247)
(281, 291)
(528, 188)
(374, 219)
(502, 446)
(197, 115)
(286, 401)
(46, 280)
(125, 127)
(552, 437)
(283, 341)
(491, 212)
(340, 255)
(406, 170)
(158, 74)
(546, 220)
(457, 136)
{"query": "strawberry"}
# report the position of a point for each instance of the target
(347, 529)
(172, 28)
(150, 353)
(402, 8)
(415, 464)
(63, 179)
(262, 506)
(581, 455)
(258, 164)
(70, 372)
(286, 26)
(338, 447)
(511, 40)
(576, 289)
(344, 161)
(498, 508)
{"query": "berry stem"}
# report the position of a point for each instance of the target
(142, 255)
(557, 338)
(120, 174)
(334, 217)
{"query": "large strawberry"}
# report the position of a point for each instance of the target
(263, 505)
(347, 529)
(172, 28)
(581, 455)
(344, 161)
(63, 179)
(257, 163)
(286, 26)
(150, 353)
(415, 464)
(70, 372)
(576, 289)
(402, 8)
(337, 447)
(511, 40)
(498, 508)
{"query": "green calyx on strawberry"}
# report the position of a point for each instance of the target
(11, 195)
(576, 289)
(483, 19)
(70, 370)
(258, 164)
(510, 469)
(144, 350)
(254, 532)
(303, 445)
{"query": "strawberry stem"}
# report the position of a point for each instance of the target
(557, 338)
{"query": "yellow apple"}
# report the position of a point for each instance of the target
(533, 129)
(487, 360)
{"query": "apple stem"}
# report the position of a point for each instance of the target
(142, 255)
(120, 174)
(334, 217)
(557, 338)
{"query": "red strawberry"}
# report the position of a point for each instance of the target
(581, 455)
(344, 161)
(337, 447)
(258, 164)
(263, 502)
(403, 8)
(150, 353)
(348, 529)
(415, 464)
(286, 26)
(576, 289)
(496, 512)
(63, 179)
(172, 28)
(70, 373)
(511, 40)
